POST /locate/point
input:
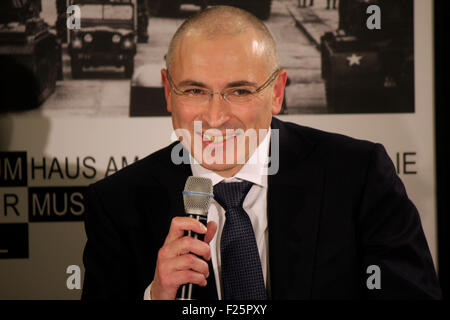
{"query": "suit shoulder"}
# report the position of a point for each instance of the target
(142, 171)
(330, 141)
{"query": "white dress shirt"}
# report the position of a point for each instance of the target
(255, 204)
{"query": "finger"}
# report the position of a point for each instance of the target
(166, 286)
(212, 228)
(188, 245)
(189, 276)
(184, 262)
(191, 262)
(181, 224)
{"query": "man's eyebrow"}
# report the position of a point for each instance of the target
(194, 83)
(233, 84)
(241, 83)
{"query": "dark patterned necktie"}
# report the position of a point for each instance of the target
(242, 276)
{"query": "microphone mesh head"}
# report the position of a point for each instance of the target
(197, 195)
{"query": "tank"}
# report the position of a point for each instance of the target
(107, 36)
(30, 56)
(370, 70)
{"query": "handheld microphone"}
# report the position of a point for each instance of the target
(197, 196)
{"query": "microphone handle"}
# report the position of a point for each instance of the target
(185, 292)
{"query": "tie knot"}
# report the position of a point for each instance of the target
(232, 194)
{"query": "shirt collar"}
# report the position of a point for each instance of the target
(254, 170)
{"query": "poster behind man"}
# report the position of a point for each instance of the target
(82, 117)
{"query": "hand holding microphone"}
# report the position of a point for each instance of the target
(183, 257)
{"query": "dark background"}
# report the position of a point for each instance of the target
(442, 117)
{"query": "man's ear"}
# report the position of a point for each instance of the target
(166, 84)
(278, 92)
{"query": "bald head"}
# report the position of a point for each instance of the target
(219, 21)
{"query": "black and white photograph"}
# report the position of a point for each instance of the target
(103, 58)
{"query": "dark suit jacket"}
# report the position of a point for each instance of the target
(335, 207)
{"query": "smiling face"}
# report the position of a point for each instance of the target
(225, 62)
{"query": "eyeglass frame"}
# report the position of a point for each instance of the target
(222, 93)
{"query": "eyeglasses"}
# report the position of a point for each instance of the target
(194, 95)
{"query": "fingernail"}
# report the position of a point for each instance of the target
(204, 229)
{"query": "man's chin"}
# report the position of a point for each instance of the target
(225, 170)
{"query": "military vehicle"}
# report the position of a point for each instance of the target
(142, 19)
(30, 56)
(370, 70)
(260, 8)
(107, 36)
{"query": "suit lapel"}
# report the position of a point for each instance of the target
(294, 202)
(167, 201)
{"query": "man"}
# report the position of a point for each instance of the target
(310, 229)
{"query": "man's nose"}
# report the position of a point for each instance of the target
(216, 111)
